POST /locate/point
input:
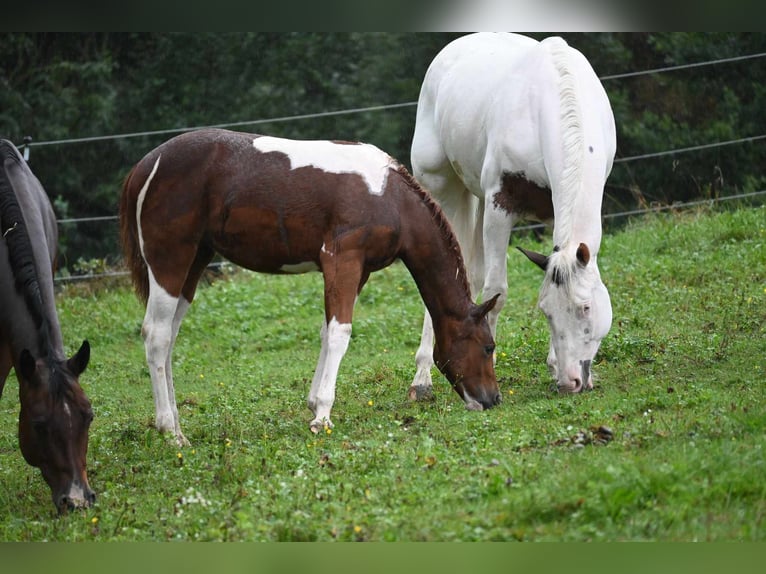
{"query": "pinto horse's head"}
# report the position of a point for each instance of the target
(464, 353)
(579, 312)
(53, 425)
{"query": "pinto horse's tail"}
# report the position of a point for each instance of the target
(131, 247)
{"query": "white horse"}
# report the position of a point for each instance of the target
(509, 127)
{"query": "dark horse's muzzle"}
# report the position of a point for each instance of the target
(75, 497)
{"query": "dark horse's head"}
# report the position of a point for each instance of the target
(55, 414)
(53, 425)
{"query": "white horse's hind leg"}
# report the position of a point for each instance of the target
(335, 344)
(422, 384)
(158, 333)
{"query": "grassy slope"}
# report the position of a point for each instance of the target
(680, 384)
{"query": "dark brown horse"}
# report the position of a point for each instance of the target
(55, 413)
(283, 206)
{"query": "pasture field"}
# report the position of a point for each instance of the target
(670, 445)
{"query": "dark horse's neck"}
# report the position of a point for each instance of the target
(32, 327)
(431, 253)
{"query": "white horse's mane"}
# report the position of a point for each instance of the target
(562, 261)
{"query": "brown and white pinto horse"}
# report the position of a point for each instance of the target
(284, 206)
(55, 413)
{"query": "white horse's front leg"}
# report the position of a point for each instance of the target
(335, 341)
(497, 232)
(422, 384)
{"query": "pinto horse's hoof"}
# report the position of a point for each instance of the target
(420, 393)
(318, 426)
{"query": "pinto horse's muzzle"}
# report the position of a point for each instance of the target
(482, 403)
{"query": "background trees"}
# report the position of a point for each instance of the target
(61, 86)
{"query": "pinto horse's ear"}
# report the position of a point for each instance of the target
(583, 254)
(27, 365)
(481, 310)
(537, 258)
(79, 362)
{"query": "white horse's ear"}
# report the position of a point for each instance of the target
(583, 254)
(537, 258)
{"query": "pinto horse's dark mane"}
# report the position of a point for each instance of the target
(20, 252)
(442, 222)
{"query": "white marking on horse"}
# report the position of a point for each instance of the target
(335, 339)
(140, 205)
(366, 160)
(68, 412)
(325, 250)
(159, 335)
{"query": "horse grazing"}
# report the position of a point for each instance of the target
(509, 127)
(55, 413)
(284, 206)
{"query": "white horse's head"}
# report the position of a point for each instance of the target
(579, 312)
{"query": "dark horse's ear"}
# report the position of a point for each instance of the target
(27, 365)
(80, 360)
(537, 258)
(583, 254)
(481, 310)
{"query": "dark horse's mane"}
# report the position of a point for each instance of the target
(441, 221)
(20, 252)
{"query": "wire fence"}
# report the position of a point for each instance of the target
(386, 107)
(382, 107)
(530, 227)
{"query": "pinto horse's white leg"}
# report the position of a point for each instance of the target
(335, 341)
(159, 330)
(312, 401)
(181, 309)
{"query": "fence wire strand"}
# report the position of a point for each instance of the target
(606, 216)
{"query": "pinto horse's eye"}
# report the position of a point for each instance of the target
(489, 349)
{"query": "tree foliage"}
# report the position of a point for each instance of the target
(57, 86)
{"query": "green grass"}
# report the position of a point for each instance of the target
(680, 382)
